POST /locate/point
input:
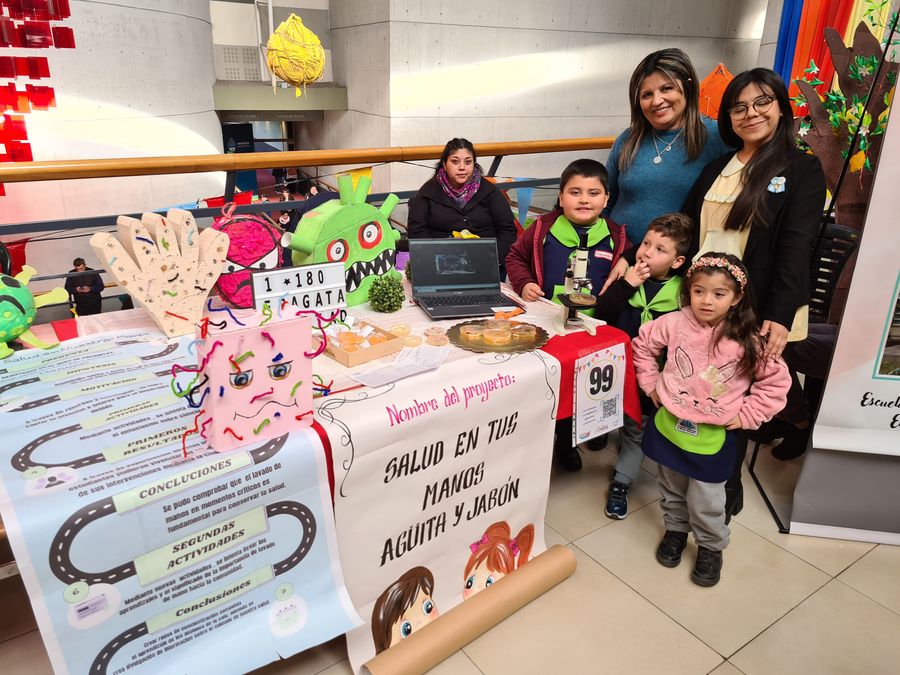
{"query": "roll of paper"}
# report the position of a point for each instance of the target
(450, 632)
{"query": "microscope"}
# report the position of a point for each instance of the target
(576, 282)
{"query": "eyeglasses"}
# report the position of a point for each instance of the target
(760, 105)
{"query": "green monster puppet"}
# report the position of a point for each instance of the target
(18, 308)
(350, 231)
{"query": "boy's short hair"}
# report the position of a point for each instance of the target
(677, 227)
(588, 168)
(77, 262)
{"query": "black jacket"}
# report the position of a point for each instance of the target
(432, 214)
(777, 254)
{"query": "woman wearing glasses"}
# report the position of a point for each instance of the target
(763, 204)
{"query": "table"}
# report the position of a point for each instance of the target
(422, 469)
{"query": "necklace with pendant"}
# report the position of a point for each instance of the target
(666, 148)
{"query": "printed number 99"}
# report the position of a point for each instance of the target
(601, 379)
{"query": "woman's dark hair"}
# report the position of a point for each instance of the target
(452, 146)
(740, 324)
(770, 159)
(674, 65)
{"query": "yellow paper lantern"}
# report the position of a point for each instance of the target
(295, 54)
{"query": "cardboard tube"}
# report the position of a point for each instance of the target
(450, 632)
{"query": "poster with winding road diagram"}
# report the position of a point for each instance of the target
(139, 560)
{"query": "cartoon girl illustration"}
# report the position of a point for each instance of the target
(404, 606)
(495, 555)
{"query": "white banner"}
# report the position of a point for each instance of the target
(441, 485)
(861, 407)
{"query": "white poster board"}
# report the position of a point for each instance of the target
(860, 409)
(441, 484)
(599, 391)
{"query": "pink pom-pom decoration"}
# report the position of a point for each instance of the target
(254, 247)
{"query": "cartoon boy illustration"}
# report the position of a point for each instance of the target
(404, 606)
(495, 555)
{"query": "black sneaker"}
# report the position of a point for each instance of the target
(567, 457)
(793, 445)
(617, 501)
(598, 443)
(671, 547)
(708, 567)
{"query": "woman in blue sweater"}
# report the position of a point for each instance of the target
(652, 166)
(654, 163)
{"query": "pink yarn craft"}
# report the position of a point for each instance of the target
(254, 247)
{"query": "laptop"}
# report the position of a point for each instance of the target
(456, 277)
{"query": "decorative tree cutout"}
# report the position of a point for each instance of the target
(832, 120)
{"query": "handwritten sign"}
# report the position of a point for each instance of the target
(318, 287)
(599, 386)
(433, 486)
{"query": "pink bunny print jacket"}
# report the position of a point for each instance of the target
(702, 385)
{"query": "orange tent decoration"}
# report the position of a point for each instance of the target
(712, 88)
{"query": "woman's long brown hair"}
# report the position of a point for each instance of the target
(675, 65)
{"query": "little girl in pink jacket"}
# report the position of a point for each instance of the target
(715, 380)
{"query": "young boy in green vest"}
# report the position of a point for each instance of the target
(538, 260)
(660, 254)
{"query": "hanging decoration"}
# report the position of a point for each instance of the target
(712, 88)
(295, 54)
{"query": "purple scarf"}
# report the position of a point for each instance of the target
(463, 194)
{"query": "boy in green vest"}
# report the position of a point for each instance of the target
(662, 252)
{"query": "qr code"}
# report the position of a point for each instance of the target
(610, 407)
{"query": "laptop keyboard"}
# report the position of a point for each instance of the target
(464, 300)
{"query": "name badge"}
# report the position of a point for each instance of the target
(606, 255)
(686, 427)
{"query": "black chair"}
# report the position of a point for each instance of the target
(831, 251)
(5, 260)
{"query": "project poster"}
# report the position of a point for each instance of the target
(441, 486)
(861, 407)
(139, 560)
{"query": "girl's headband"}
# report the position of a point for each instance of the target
(724, 264)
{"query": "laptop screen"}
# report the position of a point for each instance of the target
(453, 265)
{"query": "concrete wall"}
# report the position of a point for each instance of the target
(420, 72)
(769, 40)
(138, 83)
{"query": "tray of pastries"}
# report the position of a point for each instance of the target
(497, 335)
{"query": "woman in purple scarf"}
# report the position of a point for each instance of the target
(458, 198)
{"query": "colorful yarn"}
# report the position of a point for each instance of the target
(268, 337)
(262, 395)
(229, 430)
(267, 312)
(261, 426)
(188, 433)
(210, 308)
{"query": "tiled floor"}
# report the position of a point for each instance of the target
(786, 604)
